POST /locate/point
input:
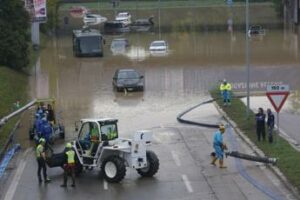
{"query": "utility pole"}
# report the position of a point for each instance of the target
(247, 59)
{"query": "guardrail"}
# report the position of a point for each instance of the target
(4, 121)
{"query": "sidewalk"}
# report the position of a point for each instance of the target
(289, 118)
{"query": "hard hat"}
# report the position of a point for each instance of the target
(69, 145)
(224, 80)
(42, 140)
(221, 127)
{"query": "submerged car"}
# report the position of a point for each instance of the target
(87, 43)
(128, 79)
(119, 46)
(158, 46)
(256, 30)
(124, 17)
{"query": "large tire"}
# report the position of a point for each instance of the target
(152, 165)
(113, 169)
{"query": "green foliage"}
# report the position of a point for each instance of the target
(14, 35)
(52, 17)
(13, 87)
(289, 158)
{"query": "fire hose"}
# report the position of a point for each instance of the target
(237, 154)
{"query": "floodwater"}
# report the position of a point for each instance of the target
(198, 59)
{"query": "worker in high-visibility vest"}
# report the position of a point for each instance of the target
(112, 134)
(41, 160)
(225, 89)
(69, 166)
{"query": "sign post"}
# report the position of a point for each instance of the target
(277, 95)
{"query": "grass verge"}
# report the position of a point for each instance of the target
(13, 88)
(289, 158)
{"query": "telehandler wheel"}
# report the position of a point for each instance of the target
(113, 169)
(152, 165)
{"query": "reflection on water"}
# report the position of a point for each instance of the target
(137, 53)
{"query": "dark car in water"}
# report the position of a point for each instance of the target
(128, 79)
(115, 27)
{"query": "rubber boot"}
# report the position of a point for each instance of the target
(222, 164)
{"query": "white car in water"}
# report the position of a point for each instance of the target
(93, 19)
(159, 47)
(124, 17)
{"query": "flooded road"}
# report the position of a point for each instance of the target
(196, 62)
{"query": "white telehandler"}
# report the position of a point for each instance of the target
(98, 145)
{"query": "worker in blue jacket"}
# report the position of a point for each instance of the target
(46, 130)
(219, 147)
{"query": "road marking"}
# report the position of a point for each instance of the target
(13, 186)
(105, 185)
(176, 158)
(187, 183)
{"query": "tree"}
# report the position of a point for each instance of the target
(14, 34)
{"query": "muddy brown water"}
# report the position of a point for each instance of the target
(196, 62)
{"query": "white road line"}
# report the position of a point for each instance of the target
(187, 183)
(13, 186)
(176, 158)
(105, 185)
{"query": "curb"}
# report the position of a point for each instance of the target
(256, 150)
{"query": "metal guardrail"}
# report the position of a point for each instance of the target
(4, 121)
(9, 140)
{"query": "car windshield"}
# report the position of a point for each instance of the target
(158, 44)
(128, 75)
(89, 44)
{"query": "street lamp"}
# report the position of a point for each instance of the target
(247, 58)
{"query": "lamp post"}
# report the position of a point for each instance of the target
(247, 59)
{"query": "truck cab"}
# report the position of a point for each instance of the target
(92, 136)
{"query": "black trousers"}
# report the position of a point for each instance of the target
(261, 132)
(41, 166)
(69, 170)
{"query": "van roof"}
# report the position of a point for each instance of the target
(86, 32)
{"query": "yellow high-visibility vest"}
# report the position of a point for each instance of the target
(111, 135)
(225, 87)
(39, 150)
(71, 156)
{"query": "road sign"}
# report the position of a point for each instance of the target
(278, 88)
(277, 94)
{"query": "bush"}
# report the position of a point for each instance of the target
(14, 34)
